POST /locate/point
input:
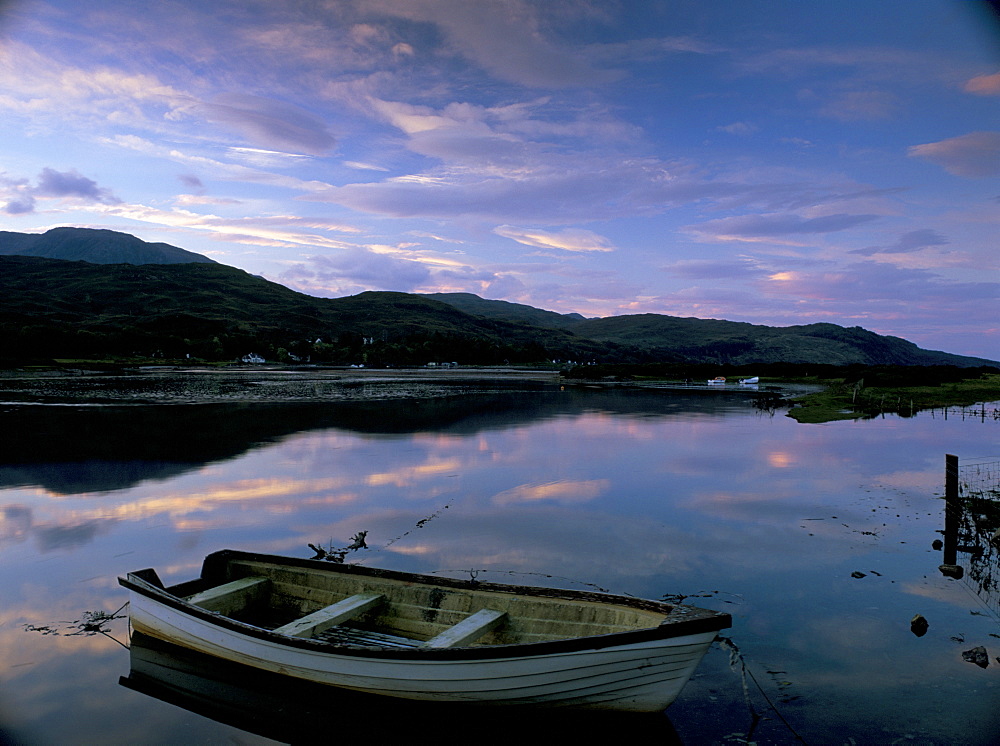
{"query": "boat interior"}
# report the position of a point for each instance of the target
(384, 609)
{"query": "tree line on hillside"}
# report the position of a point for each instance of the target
(212, 341)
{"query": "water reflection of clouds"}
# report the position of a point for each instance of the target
(408, 475)
(64, 526)
(56, 675)
(947, 591)
(15, 522)
(764, 509)
(780, 459)
(619, 553)
(18, 523)
(853, 657)
(23, 651)
(912, 480)
(563, 491)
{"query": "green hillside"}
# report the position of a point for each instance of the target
(738, 343)
(52, 308)
(659, 338)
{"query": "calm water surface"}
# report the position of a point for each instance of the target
(644, 493)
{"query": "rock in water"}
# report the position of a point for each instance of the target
(978, 656)
(952, 571)
(919, 625)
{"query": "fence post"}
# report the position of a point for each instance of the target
(952, 513)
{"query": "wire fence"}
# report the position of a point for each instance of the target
(972, 527)
(979, 478)
(975, 413)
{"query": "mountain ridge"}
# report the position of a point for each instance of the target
(95, 245)
(506, 310)
(729, 342)
(197, 307)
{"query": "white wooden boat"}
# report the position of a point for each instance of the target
(749, 381)
(427, 638)
(296, 711)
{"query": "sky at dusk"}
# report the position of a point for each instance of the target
(772, 162)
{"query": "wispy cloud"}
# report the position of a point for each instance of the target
(984, 85)
(741, 129)
(907, 243)
(358, 269)
(755, 227)
(565, 240)
(269, 123)
(707, 269)
(508, 39)
(856, 106)
(975, 155)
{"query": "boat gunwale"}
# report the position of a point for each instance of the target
(701, 620)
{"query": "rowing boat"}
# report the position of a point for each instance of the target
(296, 711)
(427, 638)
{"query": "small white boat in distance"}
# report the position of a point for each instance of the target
(717, 381)
(749, 381)
(427, 638)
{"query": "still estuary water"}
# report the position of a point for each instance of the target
(819, 540)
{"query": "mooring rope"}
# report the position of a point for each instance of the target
(736, 659)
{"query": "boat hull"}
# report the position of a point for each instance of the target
(641, 677)
(290, 710)
(640, 668)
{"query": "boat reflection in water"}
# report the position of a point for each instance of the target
(294, 711)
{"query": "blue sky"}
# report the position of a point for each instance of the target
(773, 162)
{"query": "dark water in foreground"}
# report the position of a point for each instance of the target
(645, 493)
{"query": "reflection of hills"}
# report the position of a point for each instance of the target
(293, 711)
(69, 450)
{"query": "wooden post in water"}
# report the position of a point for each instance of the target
(952, 508)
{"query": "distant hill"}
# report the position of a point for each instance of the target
(506, 311)
(96, 246)
(142, 306)
(738, 343)
(55, 308)
(674, 338)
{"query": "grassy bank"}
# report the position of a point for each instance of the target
(844, 399)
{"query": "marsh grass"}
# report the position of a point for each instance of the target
(848, 400)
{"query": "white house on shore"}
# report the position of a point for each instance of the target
(253, 357)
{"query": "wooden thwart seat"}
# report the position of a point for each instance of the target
(238, 594)
(231, 596)
(366, 638)
(330, 616)
(468, 630)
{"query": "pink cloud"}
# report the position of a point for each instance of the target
(975, 155)
(984, 85)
